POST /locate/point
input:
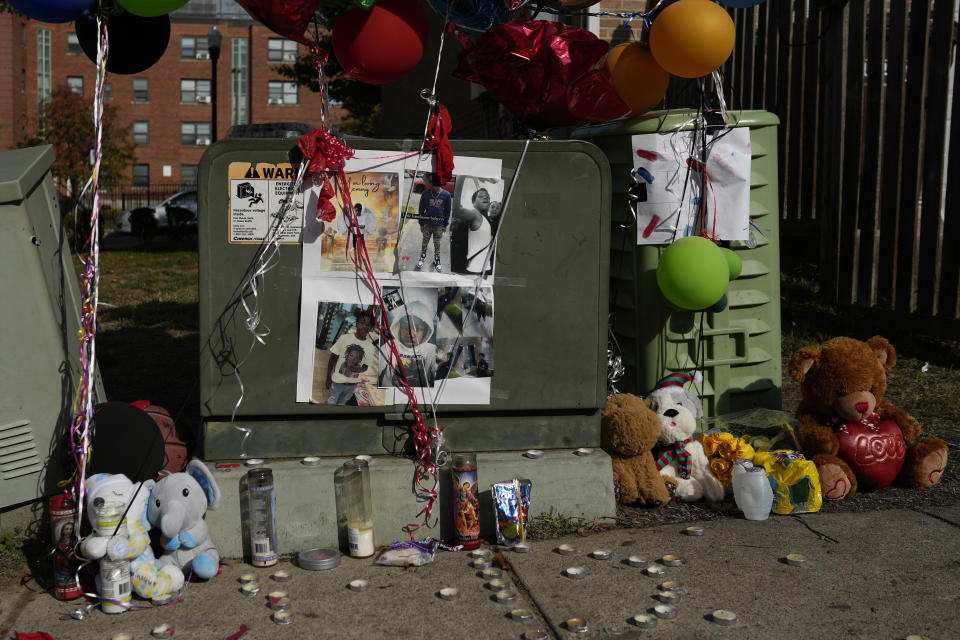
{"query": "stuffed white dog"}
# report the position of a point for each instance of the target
(682, 457)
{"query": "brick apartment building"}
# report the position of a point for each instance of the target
(169, 106)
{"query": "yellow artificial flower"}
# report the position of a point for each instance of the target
(722, 469)
(736, 449)
(711, 441)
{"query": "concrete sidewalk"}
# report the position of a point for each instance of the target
(887, 574)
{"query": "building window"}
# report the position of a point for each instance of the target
(239, 90)
(73, 45)
(195, 134)
(43, 67)
(141, 90)
(141, 133)
(75, 84)
(188, 174)
(195, 91)
(281, 92)
(281, 50)
(194, 48)
(107, 91)
(141, 175)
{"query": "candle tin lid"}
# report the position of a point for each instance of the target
(645, 620)
(449, 593)
(358, 585)
(665, 611)
(283, 617)
(577, 625)
(162, 631)
(724, 617)
(318, 559)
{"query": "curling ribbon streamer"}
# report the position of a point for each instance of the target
(438, 141)
(84, 400)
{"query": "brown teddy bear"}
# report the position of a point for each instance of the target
(629, 430)
(847, 428)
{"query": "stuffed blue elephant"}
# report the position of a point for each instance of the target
(177, 504)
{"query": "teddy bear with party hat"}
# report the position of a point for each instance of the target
(682, 457)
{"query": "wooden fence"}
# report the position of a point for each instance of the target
(869, 165)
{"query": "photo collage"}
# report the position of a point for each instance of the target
(431, 244)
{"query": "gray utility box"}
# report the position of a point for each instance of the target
(40, 315)
(550, 305)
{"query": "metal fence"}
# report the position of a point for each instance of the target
(869, 164)
(121, 196)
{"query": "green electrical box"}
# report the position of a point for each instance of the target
(741, 344)
(40, 316)
(550, 302)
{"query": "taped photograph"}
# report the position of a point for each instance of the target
(413, 323)
(346, 357)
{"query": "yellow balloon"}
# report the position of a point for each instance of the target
(638, 79)
(692, 38)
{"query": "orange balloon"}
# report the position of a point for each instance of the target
(638, 79)
(692, 38)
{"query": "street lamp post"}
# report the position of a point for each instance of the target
(213, 46)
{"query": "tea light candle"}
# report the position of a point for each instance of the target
(491, 573)
(273, 595)
(282, 576)
(481, 563)
(449, 593)
(535, 635)
(575, 572)
(250, 589)
(566, 549)
(671, 586)
(280, 604)
(796, 559)
(364, 457)
(601, 554)
(310, 461)
(644, 620)
(358, 585)
(506, 596)
(283, 617)
(577, 625)
(521, 614)
(534, 454)
(671, 561)
(254, 462)
(247, 577)
(637, 561)
(162, 631)
(481, 554)
(693, 531)
(584, 451)
(522, 547)
(670, 597)
(122, 636)
(655, 570)
(724, 617)
(665, 611)
(498, 584)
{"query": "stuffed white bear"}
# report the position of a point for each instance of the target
(682, 457)
(108, 495)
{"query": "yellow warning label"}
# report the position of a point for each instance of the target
(262, 203)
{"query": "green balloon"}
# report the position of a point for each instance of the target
(151, 8)
(693, 273)
(733, 259)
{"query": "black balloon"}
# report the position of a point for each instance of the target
(136, 42)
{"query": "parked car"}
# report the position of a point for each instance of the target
(178, 212)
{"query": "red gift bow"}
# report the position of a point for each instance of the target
(327, 153)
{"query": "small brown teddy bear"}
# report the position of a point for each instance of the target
(847, 428)
(629, 430)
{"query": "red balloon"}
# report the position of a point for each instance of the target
(287, 17)
(383, 44)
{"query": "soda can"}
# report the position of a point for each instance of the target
(63, 516)
(466, 503)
